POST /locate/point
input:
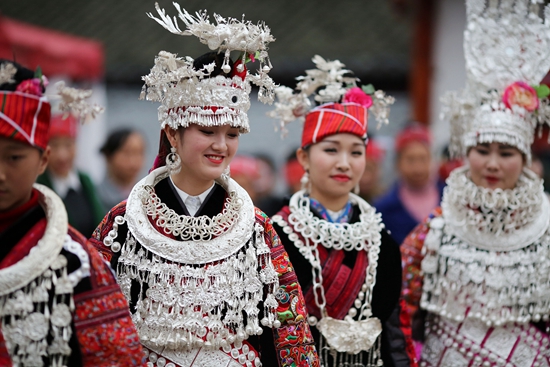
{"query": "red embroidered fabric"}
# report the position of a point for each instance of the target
(411, 258)
(25, 118)
(334, 118)
(103, 323)
(105, 332)
(405, 324)
(11, 216)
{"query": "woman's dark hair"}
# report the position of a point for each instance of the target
(115, 141)
(21, 74)
(210, 57)
(198, 63)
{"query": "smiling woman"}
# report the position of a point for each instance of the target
(205, 152)
(206, 276)
(335, 165)
(348, 264)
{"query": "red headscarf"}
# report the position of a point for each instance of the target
(246, 166)
(63, 126)
(334, 118)
(375, 152)
(25, 118)
(293, 172)
(413, 133)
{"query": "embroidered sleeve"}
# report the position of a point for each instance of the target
(102, 238)
(104, 327)
(405, 323)
(411, 257)
(293, 340)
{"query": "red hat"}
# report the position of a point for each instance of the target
(334, 118)
(375, 152)
(24, 117)
(293, 172)
(246, 166)
(345, 108)
(63, 126)
(414, 133)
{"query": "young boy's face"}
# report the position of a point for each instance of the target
(20, 165)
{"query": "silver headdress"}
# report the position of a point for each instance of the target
(72, 99)
(73, 102)
(329, 82)
(7, 72)
(507, 51)
(192, 96)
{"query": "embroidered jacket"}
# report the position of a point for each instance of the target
(291, 344)
(448, 342)
(59, 301)
(343, 277)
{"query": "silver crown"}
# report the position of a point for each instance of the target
(336, 81)
(190, 96)
(507, 52)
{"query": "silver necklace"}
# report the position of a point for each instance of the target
(348, 335)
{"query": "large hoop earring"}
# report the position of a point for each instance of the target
(173, 162)
(304, 181)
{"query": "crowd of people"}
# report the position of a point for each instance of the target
(200, 263)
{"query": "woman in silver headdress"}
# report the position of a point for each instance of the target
(206, 277)
(477, 269)
(346, 261)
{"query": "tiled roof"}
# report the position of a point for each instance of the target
(364, 34)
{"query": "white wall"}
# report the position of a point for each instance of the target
(91, 137)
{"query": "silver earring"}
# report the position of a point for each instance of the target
(226, 175)
(356, 189)
(305, 181)
(173, 162)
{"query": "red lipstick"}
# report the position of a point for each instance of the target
(215, 158)
(341, 178)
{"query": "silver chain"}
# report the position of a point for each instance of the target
(370, 278)
(202, 228)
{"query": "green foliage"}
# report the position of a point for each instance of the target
(542, 90)
(368, 89)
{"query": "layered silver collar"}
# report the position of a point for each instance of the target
(220, 237)
(487, 257)
(47, 249)
(195, 292)
(339, 236)
(478, 215)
